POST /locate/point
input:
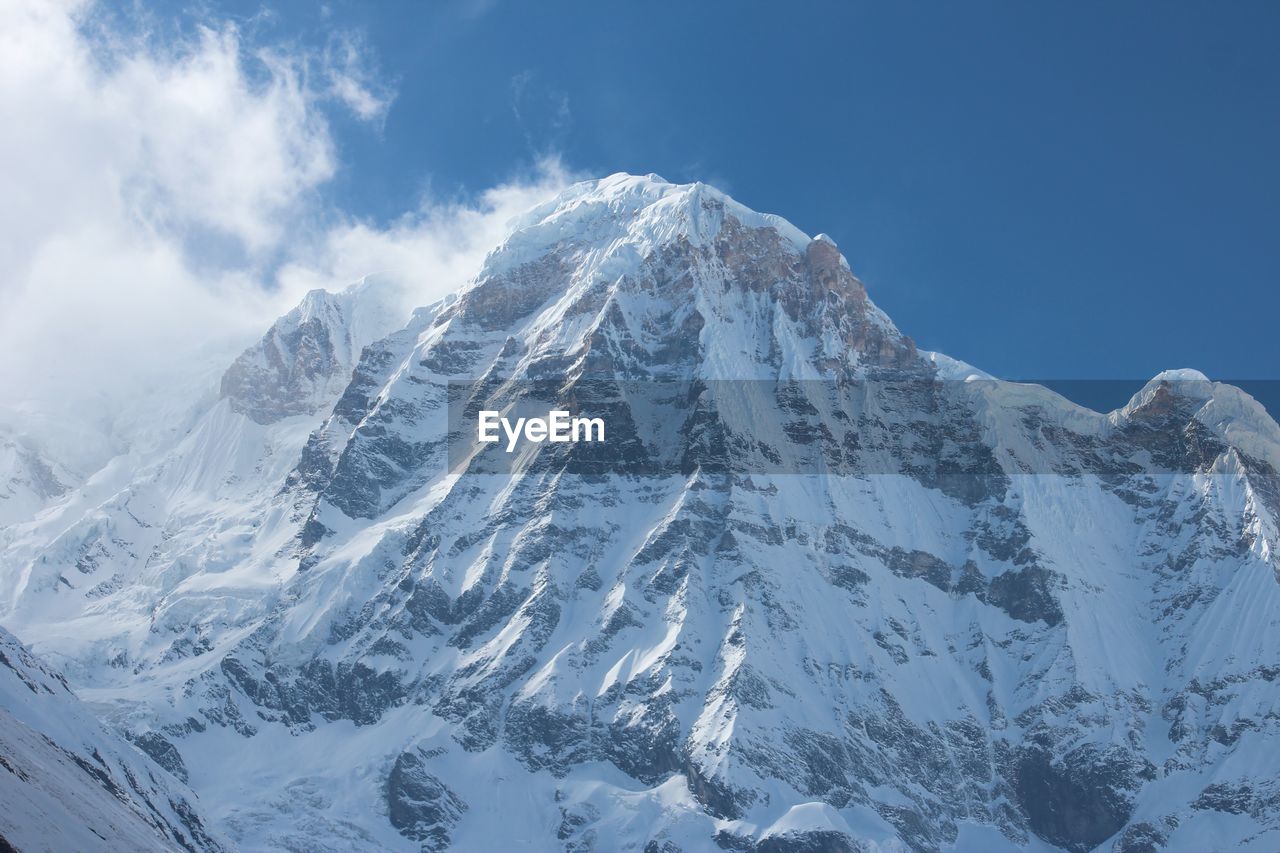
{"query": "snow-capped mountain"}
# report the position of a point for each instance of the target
(837, 594)
(70, 784)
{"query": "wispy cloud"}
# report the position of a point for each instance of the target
(433, 249)
(352, 82)
(541, 112)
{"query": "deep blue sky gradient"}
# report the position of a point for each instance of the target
(1084, 190)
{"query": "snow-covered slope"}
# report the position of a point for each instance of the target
(28, 479)
(66, 783)
(835, 594)
(192, 535)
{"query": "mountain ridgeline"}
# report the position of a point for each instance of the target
(818, 589)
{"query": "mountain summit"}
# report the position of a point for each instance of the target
(879, 600)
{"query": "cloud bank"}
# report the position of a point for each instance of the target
(164, 203)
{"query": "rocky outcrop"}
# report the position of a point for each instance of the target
(304, 361)
(419, 805)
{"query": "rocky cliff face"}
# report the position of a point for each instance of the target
(836, 593)
(305, 358)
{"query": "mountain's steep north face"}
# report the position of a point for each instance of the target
(820, 590)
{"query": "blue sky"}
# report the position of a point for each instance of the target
(1044, 190)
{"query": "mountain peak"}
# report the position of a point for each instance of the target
(1228, 412)
(644, 210)
(639, 275)
(1183, 374)
(305, 359)
(1164, 391)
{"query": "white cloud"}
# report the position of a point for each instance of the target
(163, 204)
(432, 250)
(350, 80)
(178, 139)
